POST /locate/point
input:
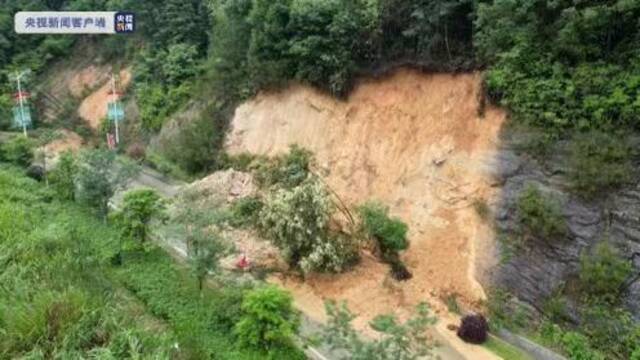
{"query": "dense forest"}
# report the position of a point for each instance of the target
(568, 72)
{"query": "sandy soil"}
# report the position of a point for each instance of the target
(413, 141)
(86, 79)
(94, 107)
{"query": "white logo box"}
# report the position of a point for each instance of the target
(65, 22)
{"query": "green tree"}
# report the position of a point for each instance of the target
(139, 208)
(99, 175)
(204, 250)
(268, 58)
(397, 341)
(18, 150)
(297, 219)
(62, 175)
(268, 321)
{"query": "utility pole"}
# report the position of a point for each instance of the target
(115, 106)
(21, 102)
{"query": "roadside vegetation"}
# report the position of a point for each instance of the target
(73, 284)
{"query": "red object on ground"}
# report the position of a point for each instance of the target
(243, 263)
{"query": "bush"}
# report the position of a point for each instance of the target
(288, 170)
(599, 162)
(268, 320)
(395, 340)
(245, 210)
(390, 233)
(577, 347)
(540, 215)
(62, 175)
(474, 329)
(603, 273)
(297, 220)
(139, 208)
(18, 150)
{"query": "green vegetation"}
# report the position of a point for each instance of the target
(55, 303)
(540, 215)
(99, 175)
(245, 211)
(389, 233)
(288, 170)
(599, 162)
(139, 207)
(62, 176)
(603, 273)
(505, 350)
(268, 321)
(397, 341)
(62, 295)
(18, 150)
(560, 65)
(297, 221)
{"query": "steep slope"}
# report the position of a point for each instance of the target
(413, 141)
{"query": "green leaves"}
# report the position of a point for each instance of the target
(396, 341)
(603, 272)
(268, 320)
(540, 215)
(139, 208)
(390, 233)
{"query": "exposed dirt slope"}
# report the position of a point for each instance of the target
(413, 141)
(94, 107)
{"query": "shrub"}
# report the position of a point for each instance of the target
(139, 208)
(18, 150)
(297, 220)
(390, 233)
(603, 273)
(610, 329)
(474, 329)
(288, 170)
(268, 320)
(245, 210)
(402, 341)
(599, 162)
(62, 175)
(540, 215)
(577, 347)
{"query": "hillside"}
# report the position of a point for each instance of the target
(480, 156)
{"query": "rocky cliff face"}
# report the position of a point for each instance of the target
(539, 268)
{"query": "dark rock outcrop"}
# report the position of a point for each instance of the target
(540, 267)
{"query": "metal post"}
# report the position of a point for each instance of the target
(115, 106)
(24, 123)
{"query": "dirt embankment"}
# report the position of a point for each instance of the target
(415, 142)
(94, 107)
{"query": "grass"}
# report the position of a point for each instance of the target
(60, 293)
(505, 350)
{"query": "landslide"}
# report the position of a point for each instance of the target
(424, 145)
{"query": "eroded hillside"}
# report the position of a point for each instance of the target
(414, 141)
